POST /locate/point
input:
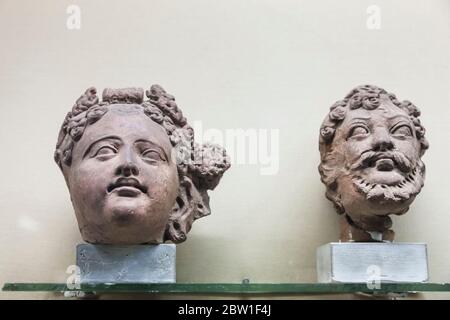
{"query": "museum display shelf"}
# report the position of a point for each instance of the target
(235, 288)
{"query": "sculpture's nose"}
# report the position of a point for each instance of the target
(382, 140)
(128, 165)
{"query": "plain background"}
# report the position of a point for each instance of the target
(232, 64)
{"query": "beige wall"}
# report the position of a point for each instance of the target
(231, 64)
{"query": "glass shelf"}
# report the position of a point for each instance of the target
(234, 288)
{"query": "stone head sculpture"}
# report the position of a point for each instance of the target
(371, 146)
(134, 173)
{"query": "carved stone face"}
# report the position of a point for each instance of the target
(134, 172)
(122, 176)
(372, 167)
(380, 153)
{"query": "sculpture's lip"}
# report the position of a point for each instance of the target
(382, 158)
(127, 187)
(385, 164)
(126, 191)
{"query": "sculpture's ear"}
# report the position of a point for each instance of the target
(190, 205)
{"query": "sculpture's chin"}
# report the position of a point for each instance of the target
(385, 187)
(124, 212)
(364, 200)
(127, 221)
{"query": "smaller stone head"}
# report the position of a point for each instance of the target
(134, 172)
(371, 146)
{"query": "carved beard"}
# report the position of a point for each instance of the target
(409, 187)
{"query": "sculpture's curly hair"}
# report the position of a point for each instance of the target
(203, 165)
(367, 97)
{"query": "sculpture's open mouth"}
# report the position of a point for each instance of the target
(384, 161)
(384, 164)
(127, 187)
(381, 162)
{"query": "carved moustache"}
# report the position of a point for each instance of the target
(370, 159)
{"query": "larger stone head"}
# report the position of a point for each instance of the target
(134, 173)
(371, 146)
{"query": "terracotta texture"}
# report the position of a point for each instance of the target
(371, 146)
(134, 173)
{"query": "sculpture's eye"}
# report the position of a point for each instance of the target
(358, 130)
(152, 155)
(105, 152)
(402, 130)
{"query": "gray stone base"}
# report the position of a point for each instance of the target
(363, 262)
(126, 264)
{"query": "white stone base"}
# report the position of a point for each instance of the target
(369, 262)
(126, 264)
